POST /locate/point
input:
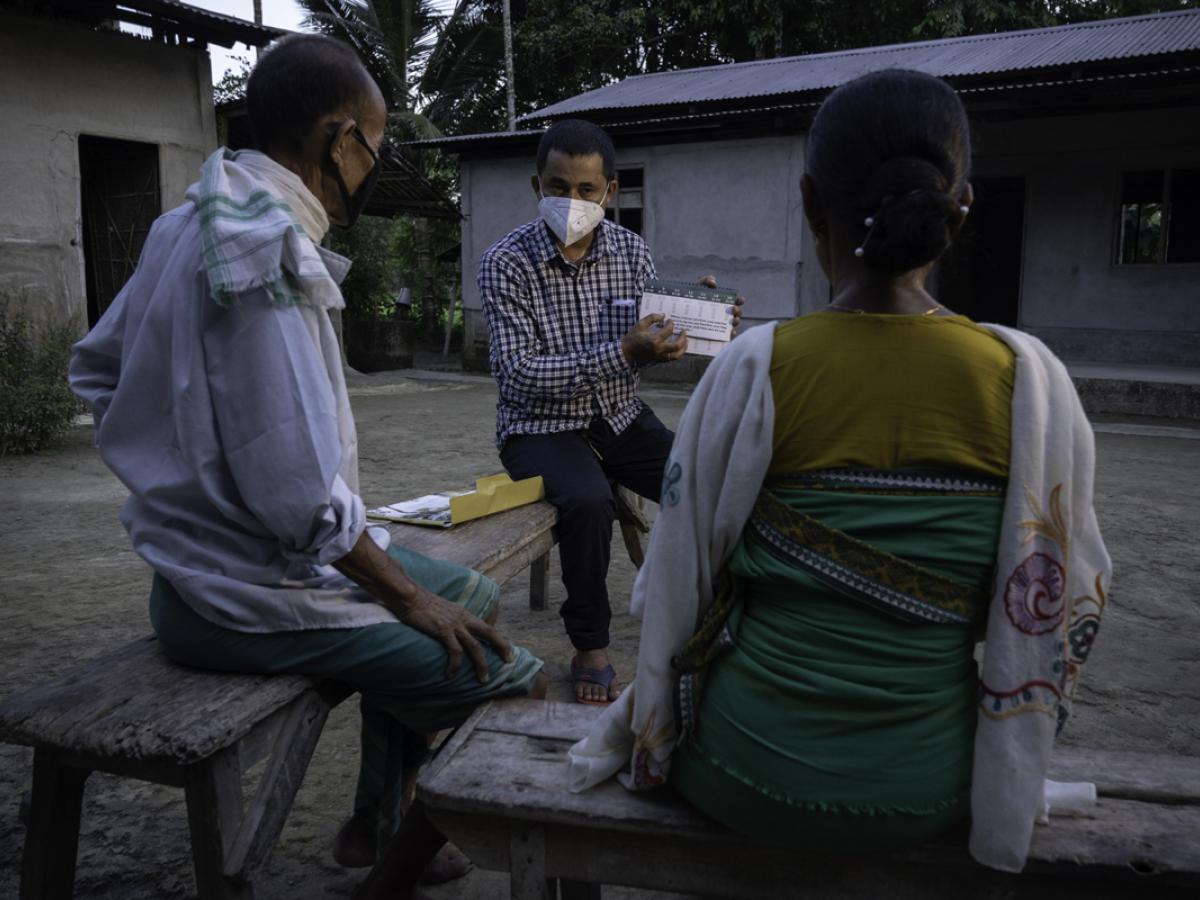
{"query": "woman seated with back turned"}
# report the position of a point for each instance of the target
(853, 499)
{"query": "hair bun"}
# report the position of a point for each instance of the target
(915, 216)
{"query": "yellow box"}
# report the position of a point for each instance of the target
(445, 509)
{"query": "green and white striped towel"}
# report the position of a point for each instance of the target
(251, 214)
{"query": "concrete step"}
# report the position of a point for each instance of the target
(1171, 392)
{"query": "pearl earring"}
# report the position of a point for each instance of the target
(964, 210)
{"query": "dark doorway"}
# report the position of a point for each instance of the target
(980, 276)
(119, 184)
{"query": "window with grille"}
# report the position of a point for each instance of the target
(626, 206)
(1159, 217)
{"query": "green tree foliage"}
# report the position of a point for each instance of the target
(232, 86)
(36, 403)
(393, 38)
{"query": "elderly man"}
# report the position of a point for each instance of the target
(566, 344)
(219, 399)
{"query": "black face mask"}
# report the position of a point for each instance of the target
(356, 202)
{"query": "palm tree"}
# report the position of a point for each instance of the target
(393, 38)
(463, 84)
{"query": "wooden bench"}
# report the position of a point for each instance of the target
(134, 713)
(498, 790)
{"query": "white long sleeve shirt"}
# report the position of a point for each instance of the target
(232, 429)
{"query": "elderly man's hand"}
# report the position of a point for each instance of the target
(653, 339)
(457, 630)
(736, 311)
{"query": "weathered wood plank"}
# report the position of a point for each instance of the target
(539, 582)
(447, 751)
(729, 867)
(527, 863)
(1121, 833)
(538, 718)
(1146, 838)
(1151, 777)
(521, 558)
(295, 741)
(525, 778)
(214, 808)
(104, 709)
(1154, 777)
(52, 838)
(482, 544)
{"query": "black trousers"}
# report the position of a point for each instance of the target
(576, 467)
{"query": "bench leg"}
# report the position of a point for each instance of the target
(579, 890)
(214, 806)
(527, 864)
(52, 839)
(404, 859)
(539, 582)
(263, 822)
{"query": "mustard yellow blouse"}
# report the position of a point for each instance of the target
(890, 392)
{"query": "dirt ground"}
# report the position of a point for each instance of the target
(73, 589)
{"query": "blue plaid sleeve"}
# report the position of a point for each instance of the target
(520, 367)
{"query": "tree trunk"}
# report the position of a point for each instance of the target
(429, 298)
(509, 86)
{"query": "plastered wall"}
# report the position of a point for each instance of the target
(60, 80)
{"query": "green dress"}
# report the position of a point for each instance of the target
(839, 710)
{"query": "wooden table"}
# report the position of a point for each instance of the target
(499, 546)
(499, 790)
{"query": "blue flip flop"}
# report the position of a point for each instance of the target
(603, 677)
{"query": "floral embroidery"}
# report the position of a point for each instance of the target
(1034, 594)
(1082, 636)
(1032, 696)
(1053, 527)
(1034, 601)
(672, 475)
(1083, 626)
(647, 771)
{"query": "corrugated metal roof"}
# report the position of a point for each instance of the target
(168, 16)
(451, 141)
(1041, 48)
(403, 190)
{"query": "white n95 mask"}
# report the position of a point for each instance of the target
(570, 219)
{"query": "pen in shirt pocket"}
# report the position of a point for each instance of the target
(618, 301)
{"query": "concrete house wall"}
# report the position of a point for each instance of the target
(60, 80)
(732, 209)
(1073, 296)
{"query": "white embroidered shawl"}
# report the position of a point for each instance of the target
(1052, 572)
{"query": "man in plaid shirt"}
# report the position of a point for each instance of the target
(561, 297)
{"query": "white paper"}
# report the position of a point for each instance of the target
(707, 322)
(430, 503)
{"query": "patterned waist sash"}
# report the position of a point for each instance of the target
(872, 576)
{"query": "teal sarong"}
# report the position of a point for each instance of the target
(836, 705)
(399, 672)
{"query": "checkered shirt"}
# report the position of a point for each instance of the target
(555, 329)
